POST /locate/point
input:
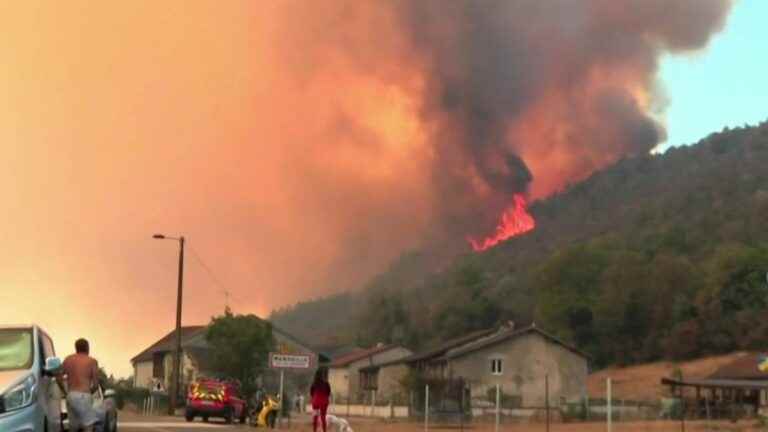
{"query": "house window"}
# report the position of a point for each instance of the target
(497, 366)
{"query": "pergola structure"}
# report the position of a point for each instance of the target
(720, 397)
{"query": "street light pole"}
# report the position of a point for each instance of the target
(176, 374)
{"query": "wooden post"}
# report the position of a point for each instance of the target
(706, 408)
(461, 408)
(282, 401)
(608, 404)
(546, 397)
(682, 408)
(698, 401)
(426, 408)
(498, 406)
(586, 404)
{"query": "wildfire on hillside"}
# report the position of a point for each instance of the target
(446, 119)
(515, 220)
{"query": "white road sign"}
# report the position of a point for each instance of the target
(289, 361)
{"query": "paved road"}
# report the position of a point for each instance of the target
(134, 423)
(137, 423)
(175, 427)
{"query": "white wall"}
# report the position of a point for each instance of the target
(338, 378)
(142, 374)
(353, 370)
(142, 371)
(382, 411)
(527, 359)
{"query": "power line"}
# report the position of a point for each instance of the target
(227, 293)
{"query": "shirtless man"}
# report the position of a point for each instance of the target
(82, 378)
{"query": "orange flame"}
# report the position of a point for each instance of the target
(514, 221)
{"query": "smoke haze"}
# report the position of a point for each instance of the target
(300, 146)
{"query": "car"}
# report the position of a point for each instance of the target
(214, 398)
(105, 407)
(29, 396)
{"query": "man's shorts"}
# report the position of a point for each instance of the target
(80, 410)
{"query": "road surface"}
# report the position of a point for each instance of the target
(135, 423)
(129, 422)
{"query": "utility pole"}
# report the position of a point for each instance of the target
(177, 357)
(176, 374)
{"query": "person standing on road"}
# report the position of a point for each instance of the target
(320, 393)
(82, 377)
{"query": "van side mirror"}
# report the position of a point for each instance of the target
(52, 365)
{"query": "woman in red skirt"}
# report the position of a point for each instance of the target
(320, 392)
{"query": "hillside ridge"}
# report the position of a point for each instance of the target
(655, 257)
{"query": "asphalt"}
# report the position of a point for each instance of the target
(138, 423)
(129, 422)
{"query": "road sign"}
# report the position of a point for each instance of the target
(289, 361)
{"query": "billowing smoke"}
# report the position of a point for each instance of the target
(492, 99)
(547, 91)
(301, 145)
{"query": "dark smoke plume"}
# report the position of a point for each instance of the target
(414, 123)
(590, 62)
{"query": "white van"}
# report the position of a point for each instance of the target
(30, 400)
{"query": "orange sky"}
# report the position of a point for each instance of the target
(299, 147)
(121, 119)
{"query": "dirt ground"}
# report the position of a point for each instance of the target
(643, 382)
(364, 425)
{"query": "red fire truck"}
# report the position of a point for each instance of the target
(215, 398)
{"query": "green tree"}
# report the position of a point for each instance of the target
(568, 288)
(740, 278)
(622, 311)
(240, 345)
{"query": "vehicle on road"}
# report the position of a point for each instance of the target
(105, 407)
(30, 399)
(214, 398)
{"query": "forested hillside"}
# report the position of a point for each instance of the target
(658, 256)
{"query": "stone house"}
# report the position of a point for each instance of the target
(386, 378)
(519, 361)
(153, 366)
(344, 373)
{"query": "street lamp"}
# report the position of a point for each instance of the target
(175, 377)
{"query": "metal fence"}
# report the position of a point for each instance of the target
(453, 405)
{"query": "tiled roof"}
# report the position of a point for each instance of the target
(441, 349)
(334, 351)
(504, 335)
(167, 342)
(359, 355)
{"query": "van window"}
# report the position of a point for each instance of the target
(48, 346)
(16, 349)
(41, 352)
